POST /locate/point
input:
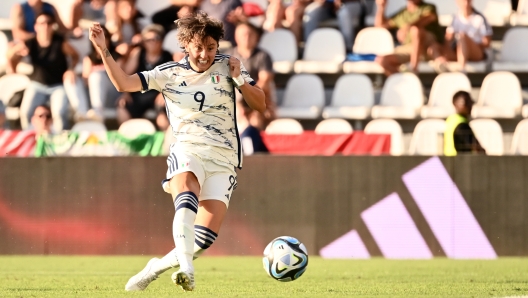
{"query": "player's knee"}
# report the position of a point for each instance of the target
(204, 237)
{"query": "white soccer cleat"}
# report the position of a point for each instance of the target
(140, 281)
(184, 279)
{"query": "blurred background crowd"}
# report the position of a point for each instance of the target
(354, 60)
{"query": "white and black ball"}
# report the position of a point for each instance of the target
(285, 259)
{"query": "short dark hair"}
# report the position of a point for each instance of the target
(464, 94)
(44, 106)
(198, 25)
(255, 29)
(48, 14)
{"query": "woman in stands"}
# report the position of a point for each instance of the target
(199, 92)
(468, 36)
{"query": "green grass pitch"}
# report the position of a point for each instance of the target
(79, 276)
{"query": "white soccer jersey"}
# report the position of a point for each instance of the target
(475, 26)
(200, 106)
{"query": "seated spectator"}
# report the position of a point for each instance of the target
(122, 20)
(41, 121)
(458, 136)
(230, 12)
(177, 9)
(279, 15)
(52, 78)
(100, 87)
(250, 135)
(347, 12)
(468, 36)
(149, 55)
(24, 15)
(258, 64)
(419, 33)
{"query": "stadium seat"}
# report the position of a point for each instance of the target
(334, 126)
(497, 12)
(92, 126)
(513, 56)
(445, 85)
(352, 98)
(426, 137)
(393, 6)
(324, 52)
(500, 96)
(5, 11)
(372, 40)
(520, 139)
(284, 126)
(303, 99)
(171, 43)
(134, 127)
(10, 84)
(149, 7)
(445, 10)
(489, 134)
(520, 17)
(3, 52)
(282, 47)
(401, 97)
(388, 126)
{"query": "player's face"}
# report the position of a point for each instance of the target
(202, 53)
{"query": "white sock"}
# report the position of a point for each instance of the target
(186, 204)
(204, 238)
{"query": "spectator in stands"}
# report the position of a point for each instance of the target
(230, 12)
(468, 36)
(418, 32)
(149, 55)
(279, 15)
(458, 136)
(52, 77)
(258, 64)
(24, 15)
(348, 13)
(41, 121)
(177, 9)
(92, 10)
(100, 87)
(122, 20)
(250, 135)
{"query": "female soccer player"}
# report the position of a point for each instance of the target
(199, 93)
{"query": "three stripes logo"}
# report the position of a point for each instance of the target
(394, 231)
(183, 84)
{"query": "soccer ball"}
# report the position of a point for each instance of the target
(285, 259)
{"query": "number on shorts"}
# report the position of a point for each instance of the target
(199, 97)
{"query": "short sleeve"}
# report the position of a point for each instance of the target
(396, 20)
(245, 74)
(154, 79)
(485, 28)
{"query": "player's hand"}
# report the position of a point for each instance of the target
(381, 3)
(234, 67)
(97, 37)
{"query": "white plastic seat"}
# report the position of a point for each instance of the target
(445, 10)
(304, 97)
(514, 51)
(334, 126)
(371, 40)
(324, 52)
(284, 126)
(520, 139)
(132, 128)
(489, 134)
(426, 137)
(388, 126)
(5, 11)
(393, 6)
(520, 17)
(92, 126)
(149, 7)
(445, 85)
(10, 84)
(282, 47)
(171, 43)
(497, 12)
(353, 97)
(401, 97)
(500, 96)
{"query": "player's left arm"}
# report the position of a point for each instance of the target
(253, 94)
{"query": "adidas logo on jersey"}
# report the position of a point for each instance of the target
(183, 84)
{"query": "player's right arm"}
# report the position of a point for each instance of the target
(122, 81)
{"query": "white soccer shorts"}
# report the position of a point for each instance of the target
(217, 181)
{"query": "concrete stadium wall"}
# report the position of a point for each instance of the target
(116, 206)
